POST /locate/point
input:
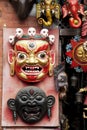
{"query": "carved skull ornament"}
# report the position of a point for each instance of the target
(44, 33)
(11, 39)
(51, 39)
(19, 33)
(31, 31)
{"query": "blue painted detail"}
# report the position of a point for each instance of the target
(68, 60)
(68, 47)
(78, 69)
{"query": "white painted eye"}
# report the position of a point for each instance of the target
(11, 39)
(19, 32)
(44, 33)
(21, 56)
(31, 31)
(42, 55)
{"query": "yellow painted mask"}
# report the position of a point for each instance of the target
(80, 54)
(31, 59)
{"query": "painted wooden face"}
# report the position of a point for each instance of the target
(31, 59)
(80, 55)
(31, 104)
(77, 54)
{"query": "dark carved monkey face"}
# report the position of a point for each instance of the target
(61, 80)
(31, 104)
(22, 7)
(60, 77)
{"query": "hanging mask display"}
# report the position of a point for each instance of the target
(31, 104)
(38, 84)
(46, 10)
(31, 58)
(76, 54)
(29, 96)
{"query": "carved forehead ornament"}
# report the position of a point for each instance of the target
(31, 34)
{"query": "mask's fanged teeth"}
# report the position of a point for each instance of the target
(31, 69)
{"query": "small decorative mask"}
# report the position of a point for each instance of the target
(31, 104)
(31, 58)
(47, 9)
(77, 54)
(61, 80)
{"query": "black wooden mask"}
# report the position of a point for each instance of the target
(31, 104)
(22, 7)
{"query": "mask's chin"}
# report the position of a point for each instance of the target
(32, 77)
(31, 114)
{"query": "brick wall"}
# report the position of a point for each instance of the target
(9, 19)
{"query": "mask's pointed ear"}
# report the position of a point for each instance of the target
(11, 61)
(50, 103)
(11, 105)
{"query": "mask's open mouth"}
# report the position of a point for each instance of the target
(31, 114)
(31, 70)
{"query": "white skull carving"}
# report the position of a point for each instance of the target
(31, 31)
(44, 33)
(51, 39)
(11, 39)
(19, 32)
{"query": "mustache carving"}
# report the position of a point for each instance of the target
(22, 7)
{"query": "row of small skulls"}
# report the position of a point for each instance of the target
(32, 32)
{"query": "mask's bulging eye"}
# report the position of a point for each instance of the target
(21, 56)
(42, 55)
(53, 2)
(39, 98)
(24, 98)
